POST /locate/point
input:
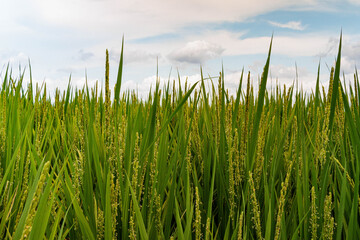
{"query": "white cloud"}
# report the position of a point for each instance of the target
(20, 57)
(233, 44)
(236, 44)
(84, 55)
(14, 59)
(196, 52)
(298, 77)
(286, 72)
(99, 24)
(138, 18)
(134, 56)
(350, 56)
(280, 74)
(352, 50)
(356, 2)
(294, 25)
(350, 53)
(12, 15)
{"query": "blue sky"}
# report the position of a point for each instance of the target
(70, 37)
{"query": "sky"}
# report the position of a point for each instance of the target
(176, 38)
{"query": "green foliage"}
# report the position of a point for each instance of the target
(187, 163)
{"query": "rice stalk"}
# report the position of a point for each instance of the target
(255, 208)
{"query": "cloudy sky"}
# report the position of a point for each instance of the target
(69, 37)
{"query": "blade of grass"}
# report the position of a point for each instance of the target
(259, 109)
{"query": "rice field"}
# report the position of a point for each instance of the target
(185, 163)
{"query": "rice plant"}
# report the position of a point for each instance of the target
(184, 163)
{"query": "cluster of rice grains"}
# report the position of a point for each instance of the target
(187, 162)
